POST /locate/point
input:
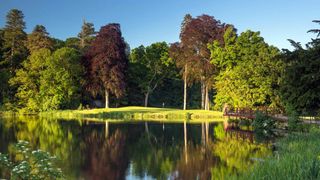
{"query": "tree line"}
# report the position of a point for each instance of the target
(210, 67)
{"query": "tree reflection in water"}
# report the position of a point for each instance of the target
(198, 164)
(231, 153)
(137, 150)
(106, 158)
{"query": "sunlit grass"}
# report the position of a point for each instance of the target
(139, 113)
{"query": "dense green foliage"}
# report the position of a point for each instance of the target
(49, 81)
(13, 51)
(210, 65)
(263, 126)
(300, 86)
(149, 67)
(248, 70)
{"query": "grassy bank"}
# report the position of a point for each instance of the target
(297, 157)
(138, 113)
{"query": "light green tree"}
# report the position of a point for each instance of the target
(28, 80)
(49, 81)
(60, 81)
(249, 70)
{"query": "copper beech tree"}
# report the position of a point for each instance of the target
(106, 63)
(192, 54)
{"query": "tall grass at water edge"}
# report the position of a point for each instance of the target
(297, 156)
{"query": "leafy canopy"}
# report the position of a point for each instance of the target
(249, 70)
(48, 81)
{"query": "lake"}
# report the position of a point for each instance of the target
(137, 150)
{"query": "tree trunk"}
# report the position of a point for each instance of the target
(185, 88)
(107, 98)
(207, 132)
(203, 136)
(12, 53)
(146, 127)
(82, 43)
(185, 142)
(146, 99)
(107, 129)
(207, 103)
(185, 134)
(202, 95)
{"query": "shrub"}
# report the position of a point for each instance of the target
(36, 164)
(263, 126)
(294, 122)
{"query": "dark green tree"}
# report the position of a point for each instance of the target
(316, 31)
(300, 85)
(154, 64)
(13, 52)
(14, 39)
(57, 43)
(3, 73)
(73, 42)
(86, 34)
(1, 45)
(39, 38)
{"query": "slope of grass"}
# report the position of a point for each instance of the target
(297, 157)
(138, 113)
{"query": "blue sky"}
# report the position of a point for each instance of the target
(148, 21)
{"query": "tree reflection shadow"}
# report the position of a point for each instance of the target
(231, 153)
(106, 158)
(197, 163)
(104, 151)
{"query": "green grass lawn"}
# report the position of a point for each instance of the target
(139, 113)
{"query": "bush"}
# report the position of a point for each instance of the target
(263, 126)
(294, 122)
(36, 164)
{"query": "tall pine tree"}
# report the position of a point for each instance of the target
(86, 34)
(39, 38)
(13, 52)
(14, 39)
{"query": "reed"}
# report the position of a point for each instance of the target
(297, 156)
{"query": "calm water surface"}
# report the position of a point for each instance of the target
(137, 150)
